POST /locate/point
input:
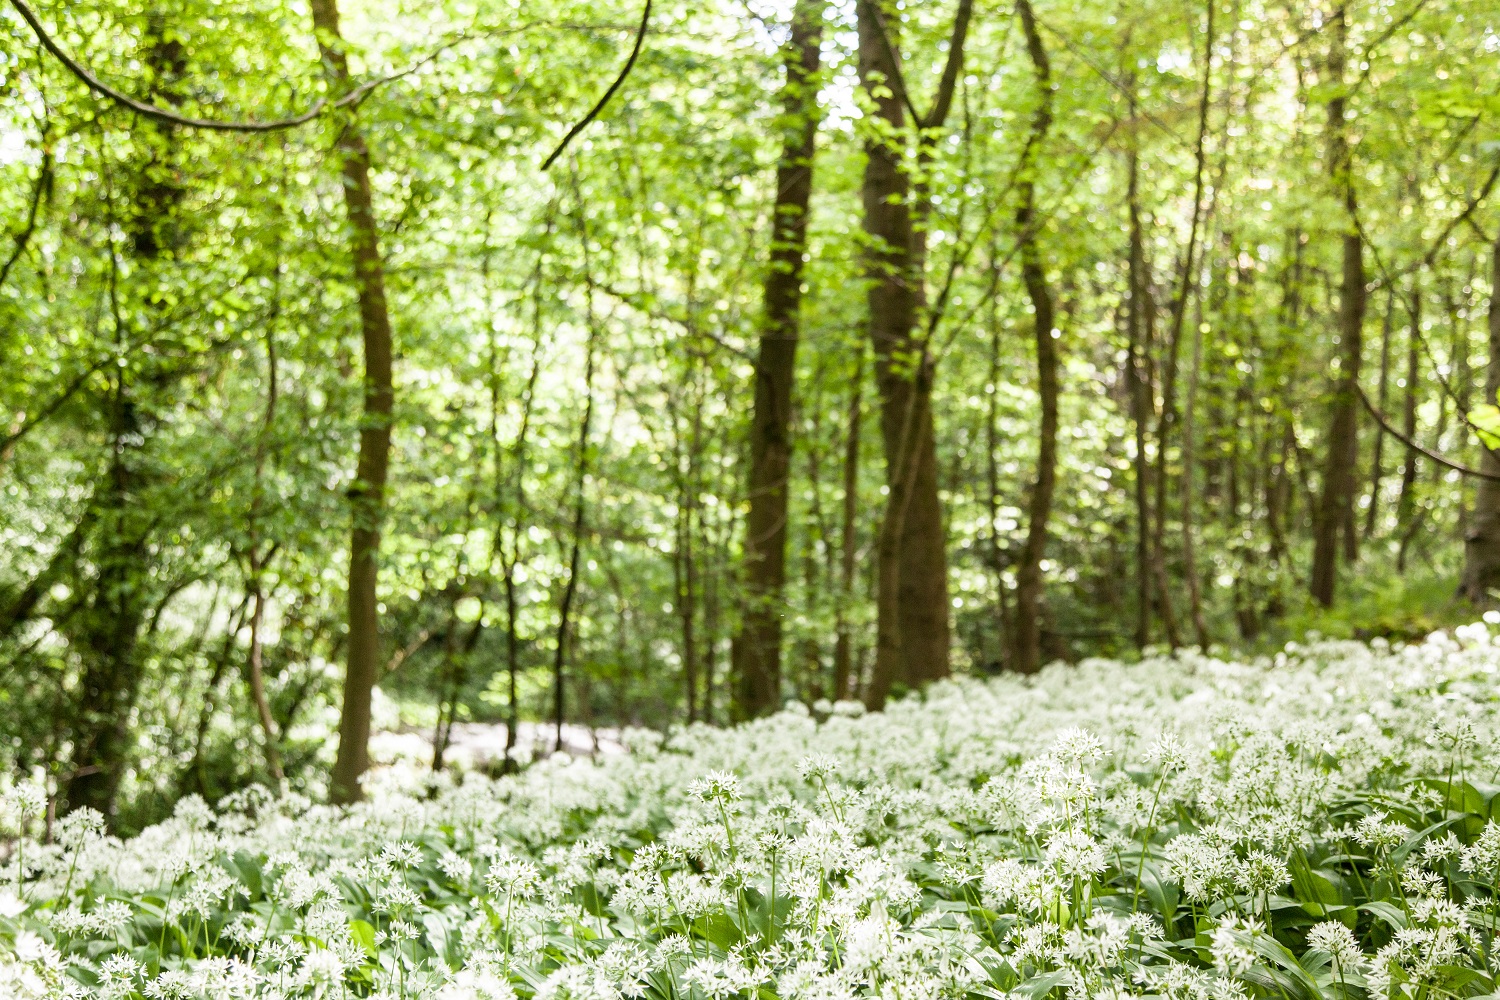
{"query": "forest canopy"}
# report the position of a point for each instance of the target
(383, 365)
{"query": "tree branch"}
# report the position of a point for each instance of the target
(23, 238)
(156, 113)
(944, 97)
(640, 37)
(1431, 456)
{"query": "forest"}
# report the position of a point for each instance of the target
(600, 499)
(546, 363)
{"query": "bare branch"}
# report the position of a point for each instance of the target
(640, 36)
(156, 113)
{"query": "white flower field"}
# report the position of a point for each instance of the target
(1317, 825)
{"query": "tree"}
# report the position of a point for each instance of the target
(912, 628)
(756, 652)
(1481, 574)
(367, 493)
(1335, 511)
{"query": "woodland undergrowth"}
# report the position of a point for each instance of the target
(1315, 824)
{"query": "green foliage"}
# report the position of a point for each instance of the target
(180, 351)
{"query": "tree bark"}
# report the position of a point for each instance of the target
(1377, 460)
(254, 664)
(912, 629)
(1406, 520)
(843, 658)
(756, 649)
(1482, 542)
(1026, 635)
(367, 493)
(1189, 490)
(1336, 504)
(118, 602)
(510, 560)
(1138, 388)
(580, 505)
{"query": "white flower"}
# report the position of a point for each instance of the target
(716, 786)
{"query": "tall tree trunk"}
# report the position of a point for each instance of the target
(112, 675)
(1336, 503)
(996, 555)
(1482, 542)
(255, 661)
(1377, 461)
(1406, 499)
(580, 508)
(912, 630)
(510, 560)
(1138, 387)
(367, 493)
(1026, 635)
(1189, 489)
(843, 659)
(685, 576)
(1168, 416)
(117, 605)
(810, 686)
(756, 649)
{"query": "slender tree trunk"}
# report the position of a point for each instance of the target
(1025, 653)
(367, 494)
(1406, 499)
(685, 564)
(580, 509)
(1138, 386)
(810, 686)
(1335, 504)
(1377, 467)
(255, 665)
(1481, 574)
(843, 658)
(711, 624)
(509, 561)
(756, 649)
(1189, 490)
(912, 629)
(1168, 416)
(992, 471)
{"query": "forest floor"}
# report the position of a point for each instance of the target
(476, 746)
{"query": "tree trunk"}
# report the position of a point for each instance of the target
(111, 678)
(1189, 490)
(756, 649)
(255, 665)
(1406, 520)
(912, 631)
(1482, 542)
(367, 494)
(843, 659)
(509, 561)
(1377, 469)
(1025, 653)
(1138, 386)
(996, 555)
(119, 598)
(580, 509)
(1336, 504)
(685, 579)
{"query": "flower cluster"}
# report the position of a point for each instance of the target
(1319, 824)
